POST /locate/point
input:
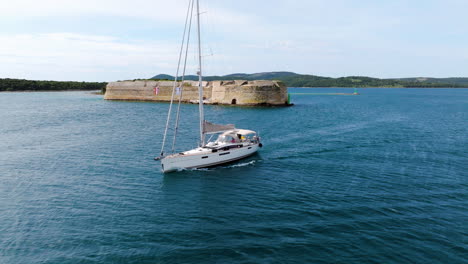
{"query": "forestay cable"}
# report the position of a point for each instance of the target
(176, 128)
(175, 80)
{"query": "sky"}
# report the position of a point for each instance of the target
(89, 40)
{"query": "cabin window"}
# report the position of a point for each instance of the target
(234, 101)
(204, 157)
(225, 153)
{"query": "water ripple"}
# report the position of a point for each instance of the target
(375, 178)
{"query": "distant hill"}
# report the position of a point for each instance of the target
(292, 79)
(235, 76)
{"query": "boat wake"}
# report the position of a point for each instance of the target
(240, 164)
(237, 165)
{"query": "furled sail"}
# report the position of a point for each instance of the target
(209, 128)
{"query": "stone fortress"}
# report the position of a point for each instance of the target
(268, 93)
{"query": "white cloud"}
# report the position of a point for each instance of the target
(139, 38)
(156, 9)
(67, 56)
(84, 56)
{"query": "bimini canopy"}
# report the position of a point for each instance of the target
(242, 132)
(245, 132)
(210, 128)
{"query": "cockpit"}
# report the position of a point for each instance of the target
(237, 136)
(225, 139)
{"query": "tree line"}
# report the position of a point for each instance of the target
(309, 81)
(28, 85)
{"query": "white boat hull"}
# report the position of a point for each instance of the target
(205, 157)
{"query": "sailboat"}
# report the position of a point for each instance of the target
(231, 143)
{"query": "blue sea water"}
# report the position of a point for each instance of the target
(377, 178)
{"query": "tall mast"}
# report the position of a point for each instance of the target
(200, 80)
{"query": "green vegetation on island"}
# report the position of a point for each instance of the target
(11, 85)
(289, 78)
(303, 80)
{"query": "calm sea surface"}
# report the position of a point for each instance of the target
(377, 178)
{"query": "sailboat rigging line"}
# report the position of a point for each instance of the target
(200, 80)
(175, 81)
(176, 128)
(232, 144)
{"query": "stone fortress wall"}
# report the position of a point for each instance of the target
(273, 93)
